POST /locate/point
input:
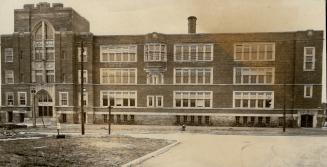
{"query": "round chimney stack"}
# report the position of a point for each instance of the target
(191, 24)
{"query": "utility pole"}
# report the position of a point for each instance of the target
(109, 119)
(284, 110)
(33, 107)
(82, 89)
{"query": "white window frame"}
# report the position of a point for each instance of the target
(85, 98)
(130, 94)
(250, 46)
(256, 98)
(305, 91)
(85, 75)
(162, 58)
(13, 98)
(79, 54)
(197, 45)
(24, 95)
(120, 83)
(305, 55)
(9, 74)
(196, 75)
(196, 101)
(148, 98)
(265, 69)
(157, 101)
(61, 98)
(9, 55)
(117, 50)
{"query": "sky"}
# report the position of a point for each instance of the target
(109, 17)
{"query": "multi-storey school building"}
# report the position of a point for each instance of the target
(228, 79)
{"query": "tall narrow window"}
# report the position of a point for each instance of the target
(79, 50)
(84, 76)
(308, 89)
(22, 98)
(155, 101)
(10, 98)
(85, 98)
(63, 98)
(9, 55)
(309, 59)
(50, 78)
(9, 76)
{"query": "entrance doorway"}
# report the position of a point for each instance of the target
(44, 104)
(307, 121)
(10, 116)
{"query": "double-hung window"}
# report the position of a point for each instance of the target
(79, 50)
(308, 91)
(309, 59)
(253, 99)
(192, 99)
(63, 98)
(9, 55)
(254, 51)
(154, 101)
(155, 79)
(193, 75)
(84, 76)
(10, 98)
(22, 98)
(254, 75)
(118, 98)
(118, 75)
(193, 52)
(9, 76)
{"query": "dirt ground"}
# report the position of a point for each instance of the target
(76, 151)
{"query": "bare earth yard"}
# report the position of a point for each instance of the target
(76, 151)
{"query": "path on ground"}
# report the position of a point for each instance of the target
(208, 150)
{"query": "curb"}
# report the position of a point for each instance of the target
(150, 155)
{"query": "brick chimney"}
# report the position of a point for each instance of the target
(191, 24)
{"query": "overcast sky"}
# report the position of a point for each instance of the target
(170, 16)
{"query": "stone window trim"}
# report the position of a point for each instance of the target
(22, 98)
(118, 53)
(9, 55)
(192, 99)
(118, 98)
(63, 99)
(115, 76)
(10, 98)
(193, 52)
(253, 99)
(9, 77)
(254, 51)
(196, 74)
(308, 91)
(255, 75)
(309, 59)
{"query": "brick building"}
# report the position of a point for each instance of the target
(236, 79)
